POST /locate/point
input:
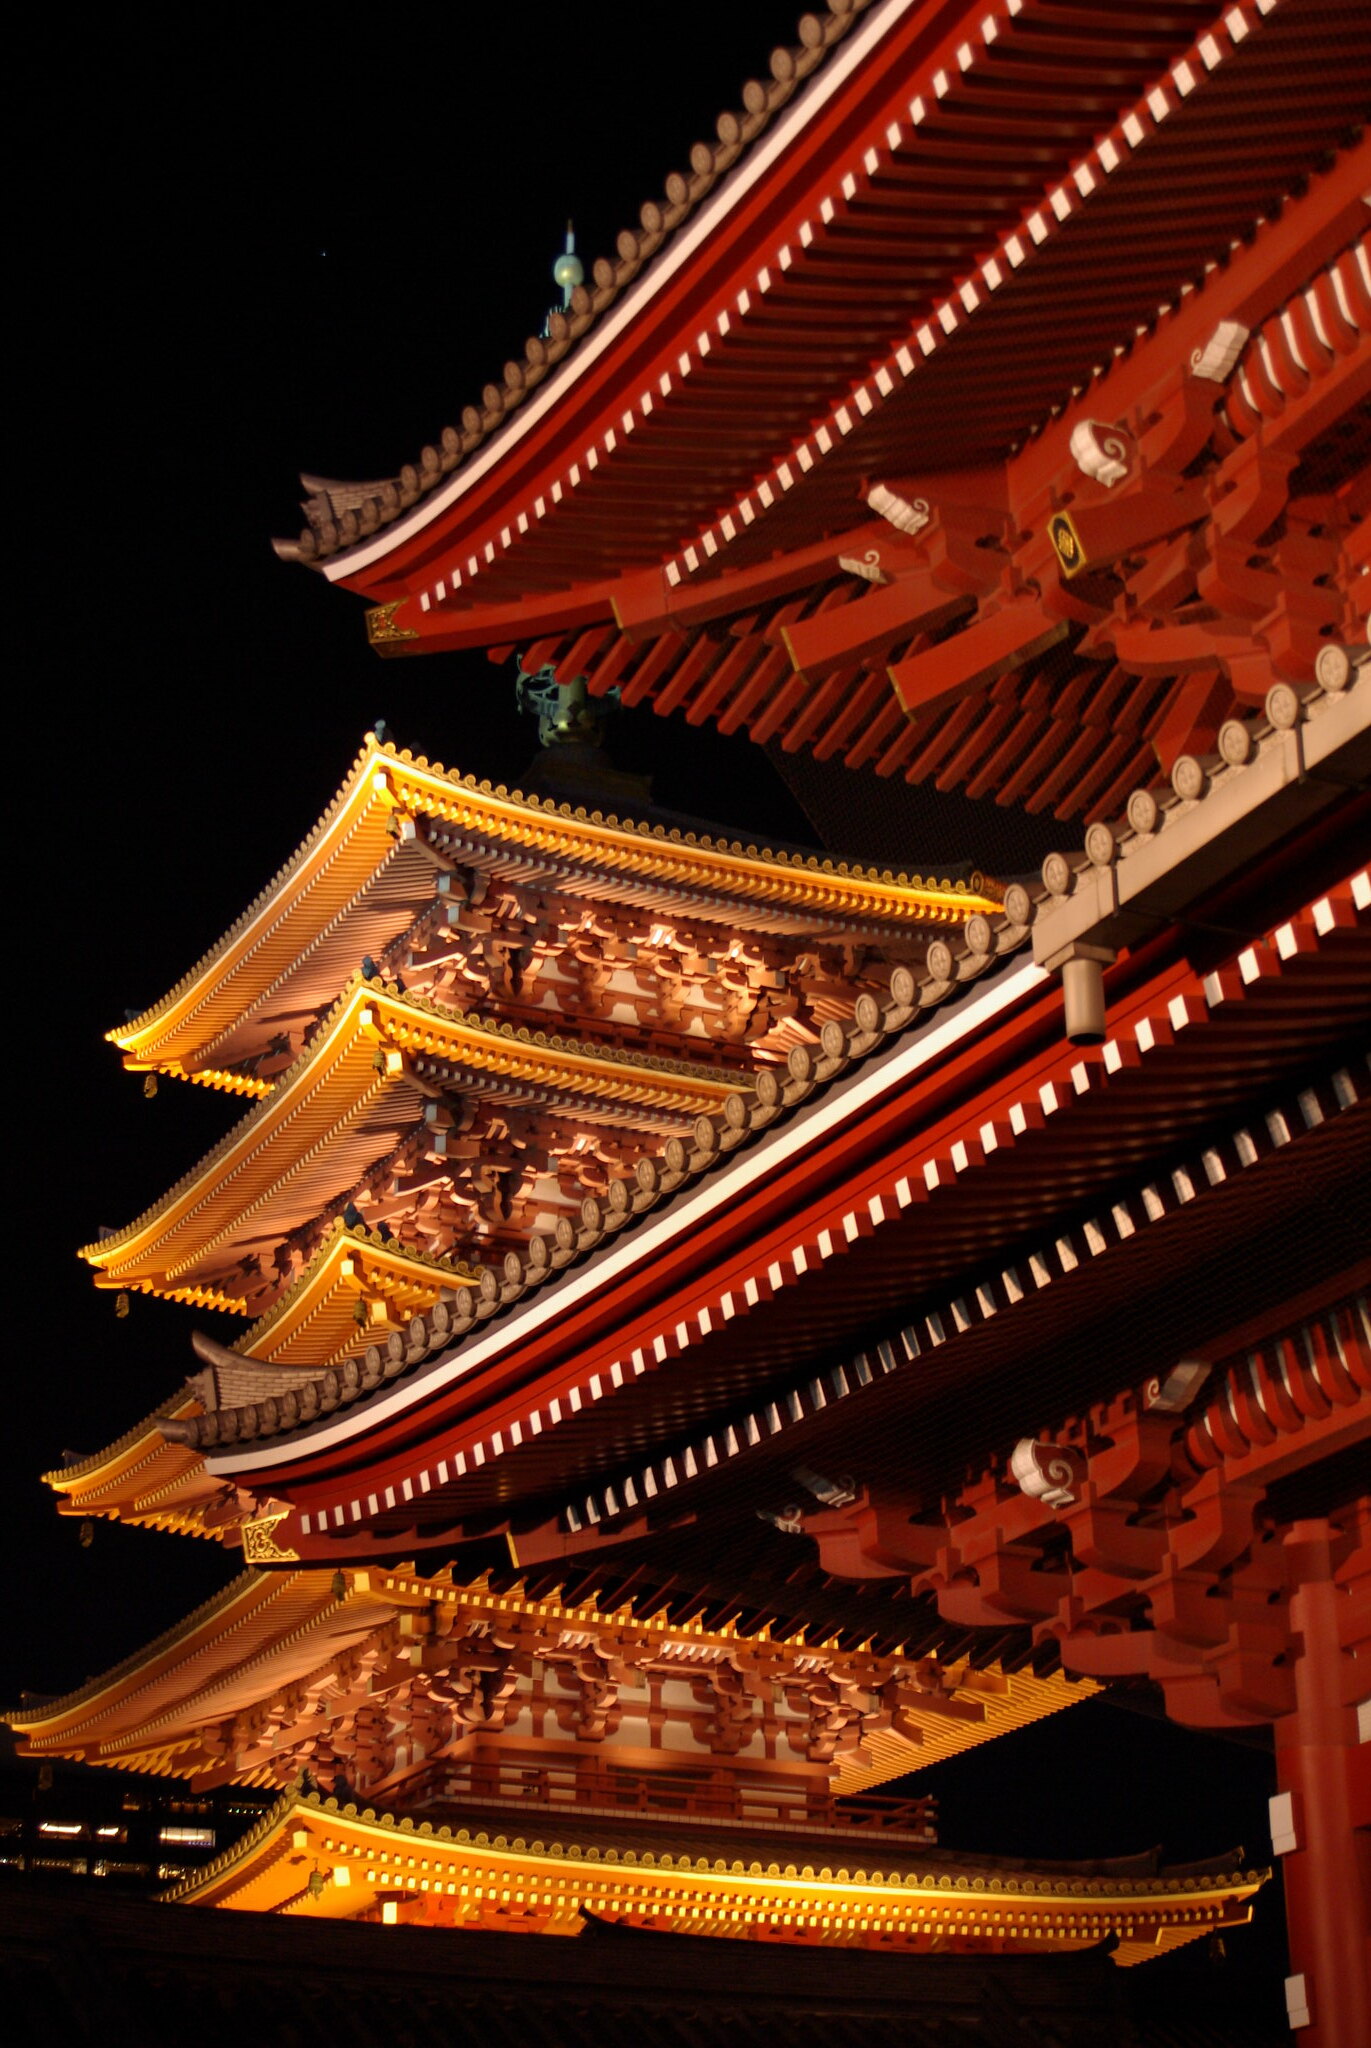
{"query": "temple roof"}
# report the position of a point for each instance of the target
(385, 499)
(1237, 1040)
(927, 170)
(169, 1708)
(983, 956)
(249, 1664)
(438, 1871)
(384, 854)
(971, 252)
(316, 1318)
(361, 1083)
(1199, 1072)
(143, 1477)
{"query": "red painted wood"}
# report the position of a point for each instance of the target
(971, 659)
(1321, 1765)
(868, 629)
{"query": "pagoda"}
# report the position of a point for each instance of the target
(728, 1326)
(447, 1686)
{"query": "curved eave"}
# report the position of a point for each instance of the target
(222, 1611)
(142, 1479)
(324, 897)
(893, 1894)
(352, 1080)
(315, 1322)
(613, 423)
(340, 854)
(262, 1630)
(562, 395)
(241, 1648)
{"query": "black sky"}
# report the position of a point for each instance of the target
(250, 244)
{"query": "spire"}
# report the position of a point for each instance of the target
(568, 270)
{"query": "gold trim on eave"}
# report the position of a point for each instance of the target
(285, 1148)
(314, 1322)
(563, 1869)
(354, 840)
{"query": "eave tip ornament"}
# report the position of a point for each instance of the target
(259, 1540)
(382, 630)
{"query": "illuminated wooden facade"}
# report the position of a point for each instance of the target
(678, 1777)
(457, 1010)
(885, 1894)
(962, 1297)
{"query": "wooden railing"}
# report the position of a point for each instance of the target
(692, 1793)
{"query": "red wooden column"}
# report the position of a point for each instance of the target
(1322, 1772)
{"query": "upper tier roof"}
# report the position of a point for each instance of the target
(1026, 187)
(338, 1118)
(382, 857)
(963, 237)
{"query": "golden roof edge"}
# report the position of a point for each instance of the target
(645, 1064)
(1042, 1880)
(967, 893)
(20, 1717)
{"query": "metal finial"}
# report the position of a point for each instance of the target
(568, 270)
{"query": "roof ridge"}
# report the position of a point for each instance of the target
(703, 842)
(334, 525)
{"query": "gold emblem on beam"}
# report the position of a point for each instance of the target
(382, 630)
(1061, 531)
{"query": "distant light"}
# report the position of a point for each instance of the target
(59, 1827)
(191, 1838)
(105, 1833)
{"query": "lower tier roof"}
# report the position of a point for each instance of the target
(552, 1879)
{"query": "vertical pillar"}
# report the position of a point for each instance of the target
(1319, 1761)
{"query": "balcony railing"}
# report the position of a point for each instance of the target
(692, 1794)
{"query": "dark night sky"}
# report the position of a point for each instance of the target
(247, 250)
